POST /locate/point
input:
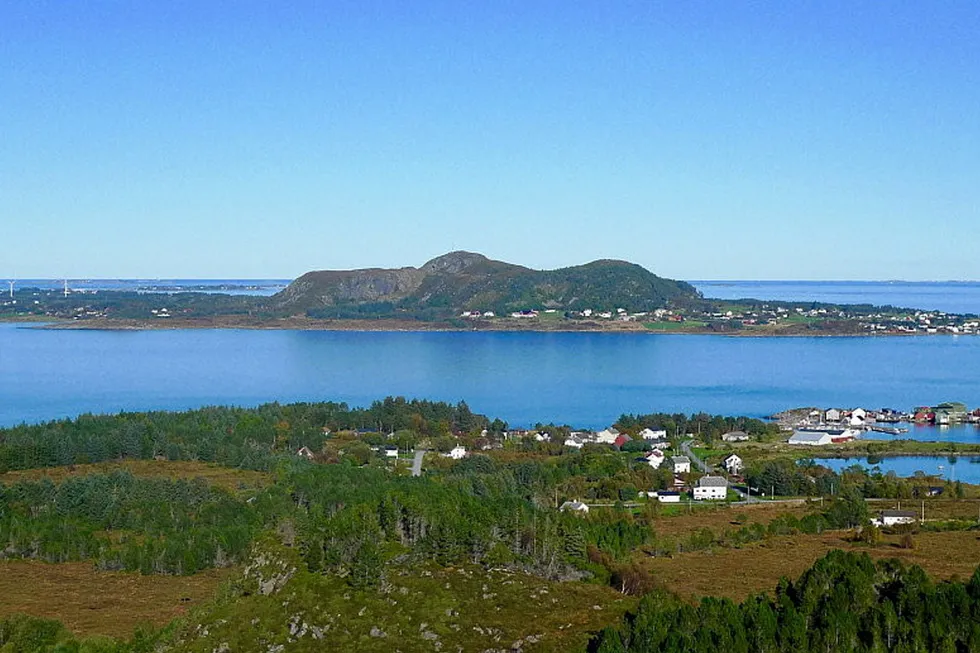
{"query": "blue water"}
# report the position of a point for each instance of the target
(583, 379)
(955, 468)
(949, 296)
(255, 287)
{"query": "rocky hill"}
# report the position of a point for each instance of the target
(467, 281)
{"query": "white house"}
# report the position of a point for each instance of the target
(894, 517)
(668, 496)
(305, 452)
(574, 441)
(655, 458)
(711, 487)
(735, 436)
(732, 464)
(650, 434)
(811, 438)
(607, 436)
(574, 506)
(541, 436)
(682, 465)
(832, 415)
(391, 452)
(457, 453)
(858, 416)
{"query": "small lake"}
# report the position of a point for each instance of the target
(951, 468)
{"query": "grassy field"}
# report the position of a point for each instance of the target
(738, 573)
(719, 517)
(91, 602)
(226, 477)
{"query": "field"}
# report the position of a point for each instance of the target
(721, 517)
(738, 573)
(92, 602)
(231, 479)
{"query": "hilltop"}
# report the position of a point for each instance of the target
(466, 281)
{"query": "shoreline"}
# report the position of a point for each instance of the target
(412, 326)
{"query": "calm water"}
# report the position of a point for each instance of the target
(255, 287)
(949, 296)
(957, 468)
(584, 379)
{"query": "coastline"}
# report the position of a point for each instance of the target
(396, 326)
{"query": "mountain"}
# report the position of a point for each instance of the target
(460, 281)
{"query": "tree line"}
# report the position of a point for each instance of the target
(844, 602)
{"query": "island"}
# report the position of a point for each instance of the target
(468, 291)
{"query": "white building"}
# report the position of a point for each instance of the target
(541, 436)
(650, 434)
(668, 496)
(607, 436)
(811, 438)
(832, 415)
(574, 506)
(655, 458)
(305, 452)
(894, 518)
(858, 417)
(711, 487)
(391, 452)
(682, 465)
(574, 441)
(735, 436)
(457, 453)
(733, 464)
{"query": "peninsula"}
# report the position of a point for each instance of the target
(468, 291)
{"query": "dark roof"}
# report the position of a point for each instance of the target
(712, 481)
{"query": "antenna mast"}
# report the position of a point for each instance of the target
(66, 287)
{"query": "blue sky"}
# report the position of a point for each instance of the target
(725, 140)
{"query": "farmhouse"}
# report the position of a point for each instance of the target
(735, 436)
(607, 436)
(574, 441)
(650, 434)
(305, 452)
(894, 517)
(457, 453)
(668, 496)
(682, 465)
(711, 487)
(574, 506)
(732, 464)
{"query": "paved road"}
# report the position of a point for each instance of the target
(417, 462)
(700, 464)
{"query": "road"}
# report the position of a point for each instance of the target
(703, 466)
(700, 464)
(417, 462)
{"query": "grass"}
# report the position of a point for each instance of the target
(674, 326)
(92, 602)
(226, 477)
(739, 573)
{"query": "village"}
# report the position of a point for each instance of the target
(691, 468)
(763, 319)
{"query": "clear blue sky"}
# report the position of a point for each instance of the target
(738, 140)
